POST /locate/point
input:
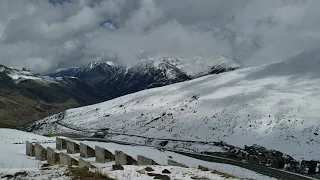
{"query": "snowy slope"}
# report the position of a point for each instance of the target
(274, 105)
(131, 172)
(13, 158)
(13, 149)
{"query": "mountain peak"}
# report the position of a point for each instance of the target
(98, 64)
(91, 73)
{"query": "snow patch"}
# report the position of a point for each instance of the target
(13, 149)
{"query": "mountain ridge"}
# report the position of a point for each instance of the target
(111, 80)
(25, 97)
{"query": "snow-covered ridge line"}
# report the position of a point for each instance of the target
(198, 65)
(194, 67)
(18, 75)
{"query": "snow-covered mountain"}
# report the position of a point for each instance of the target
(144, 75)
(25, 97)
(199, 65)
(91, 73)
(276, 106)
(18, 75)
(111, 80)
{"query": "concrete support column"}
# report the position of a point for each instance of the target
(103, 155)
(67, 160)
(122, 158)
(142, 160)
(61, 143)
(30, 149)
(40, 152)
(86, 151)
(174, 163)
(53, 157)
(84, 163)
(72, 147)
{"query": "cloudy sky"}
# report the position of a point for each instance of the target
(45, 35)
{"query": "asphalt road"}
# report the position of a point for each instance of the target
(271, 172)
(69, 135)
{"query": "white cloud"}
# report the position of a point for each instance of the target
(44, 36)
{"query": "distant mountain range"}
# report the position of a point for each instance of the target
(111, 80)
(25, 97)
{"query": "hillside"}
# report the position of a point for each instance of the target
(25, 97)
(276, 106)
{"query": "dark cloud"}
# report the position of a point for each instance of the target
(48, 35)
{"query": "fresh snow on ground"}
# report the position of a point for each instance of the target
(52, 173)
(14, 160)
(276, 105)
(130, 172)
(13, 149)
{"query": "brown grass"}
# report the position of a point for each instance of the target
(222, 174)
(17, 175)
(85, 174)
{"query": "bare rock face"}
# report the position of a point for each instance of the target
(202, 168)
(159, 176)
(117, 167)
(166, 171)
(149, 169)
